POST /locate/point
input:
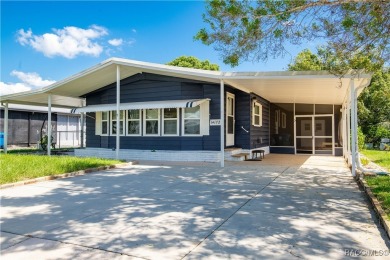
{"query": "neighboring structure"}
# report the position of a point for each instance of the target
(27, 124)
(172, 113)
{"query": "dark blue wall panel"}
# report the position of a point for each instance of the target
(259, 136)
(149, 87)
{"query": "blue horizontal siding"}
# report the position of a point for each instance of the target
(149, 87)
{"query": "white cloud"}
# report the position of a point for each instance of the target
(116, 42)
(131, 41)
(30, 80)
(68, 42)
(11, 88)
(134, 30)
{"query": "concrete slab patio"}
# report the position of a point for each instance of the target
(283, 207)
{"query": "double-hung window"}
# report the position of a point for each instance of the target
(105, 123)
(151, 122)
(191, 120)
(257, 111)
(134, 122)
(170, 125)
(114, 123)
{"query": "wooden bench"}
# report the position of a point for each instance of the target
(257, 152)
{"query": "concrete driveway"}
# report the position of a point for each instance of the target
(283, 207)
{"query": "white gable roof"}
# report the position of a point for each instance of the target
(319, 87)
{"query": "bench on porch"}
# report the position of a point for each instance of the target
(257, 151)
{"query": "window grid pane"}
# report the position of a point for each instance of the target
(151, 113)
(192, 112)
(151, 127)
(192, 126)
(133, 114)
(170, 127)
(133, 127)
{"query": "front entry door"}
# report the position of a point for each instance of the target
(230, 111)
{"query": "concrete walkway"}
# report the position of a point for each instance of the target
(283, 207)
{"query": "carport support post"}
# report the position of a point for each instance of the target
(82, 118)
(222, 127)
(118, 100)
(5, 127)
(49, 124)
(353, 128)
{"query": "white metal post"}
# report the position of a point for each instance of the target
(5, 127)
(333, 137)
(348, 115)
(344, 128)
(82, 118)
(118, 100)
(49, 124)
(353, 128)
(222, 127)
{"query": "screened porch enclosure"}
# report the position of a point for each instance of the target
(305, 128)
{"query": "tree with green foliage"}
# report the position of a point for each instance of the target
(373, 103)
(193, 62)
(374, 107)
(256, 30)
(306, 60)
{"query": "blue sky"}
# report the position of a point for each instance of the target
(43, 42)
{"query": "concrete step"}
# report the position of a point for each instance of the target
(239, 157)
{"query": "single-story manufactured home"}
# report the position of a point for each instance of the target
(141, 110)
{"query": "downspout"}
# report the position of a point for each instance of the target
(356, 156)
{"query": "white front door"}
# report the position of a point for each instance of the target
(230, 111)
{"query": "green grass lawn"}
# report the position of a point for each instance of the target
(381, 158)
(380, 186)
(17, 167)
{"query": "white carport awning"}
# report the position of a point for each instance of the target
(142, 105)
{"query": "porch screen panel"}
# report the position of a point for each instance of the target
(323, 134)
(338, 126)
(282, 124)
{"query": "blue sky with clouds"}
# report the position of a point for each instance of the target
(43, 42)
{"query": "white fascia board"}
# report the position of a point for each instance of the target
(168, 68)
(294, 75)
(79, 75)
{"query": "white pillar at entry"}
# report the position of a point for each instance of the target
(5, 127)
(353, 128)
(118, 101)
(222, 116)
(49, 124)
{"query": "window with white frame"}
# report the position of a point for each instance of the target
(105, 123)
(151, 122)
(121, 122)
(170, 124)
(284, 119)
(191, 120)
(134, 122)
(257, 119)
